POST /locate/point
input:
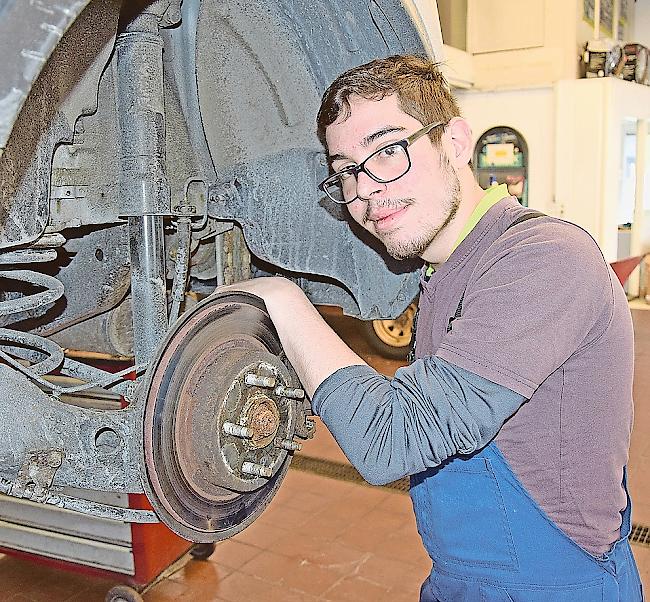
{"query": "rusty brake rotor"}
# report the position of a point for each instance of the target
(221, 409)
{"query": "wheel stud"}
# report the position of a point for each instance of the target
(255, 380)
(256, 469)
(282, 391)
(237, 430)
(289, 445)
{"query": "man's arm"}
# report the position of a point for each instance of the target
(388, 428)
(430, 411)
(313, 348)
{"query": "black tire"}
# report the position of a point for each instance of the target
(391, 338)
(123, 593)
(202, 551)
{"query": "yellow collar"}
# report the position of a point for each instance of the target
(491, 197)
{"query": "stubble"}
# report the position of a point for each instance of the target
(415, 246)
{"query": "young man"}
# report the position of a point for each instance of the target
(514, 422)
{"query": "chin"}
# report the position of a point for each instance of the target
(403, 249)
(401, 257)
(408, 248)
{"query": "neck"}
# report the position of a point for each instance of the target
(470, 196)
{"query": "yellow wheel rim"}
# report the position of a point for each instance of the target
(397, 332)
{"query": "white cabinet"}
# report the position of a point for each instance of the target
(597, 166)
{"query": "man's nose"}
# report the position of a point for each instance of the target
(367, 187)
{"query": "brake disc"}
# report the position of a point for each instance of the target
(222, 407)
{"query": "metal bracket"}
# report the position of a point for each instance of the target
(126, 515)
(172, 14)
(36, 475)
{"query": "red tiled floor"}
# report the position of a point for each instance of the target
(392, 574)
(294, 573)
(354, 589)
(240, 587)
(233, 554)
(169, 590)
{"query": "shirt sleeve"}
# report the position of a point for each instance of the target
(539, 295)
(430, 410)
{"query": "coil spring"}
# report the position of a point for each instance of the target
(43, 354)
(16, 307)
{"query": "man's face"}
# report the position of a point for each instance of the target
(407, 214)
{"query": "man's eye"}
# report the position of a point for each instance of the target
(389, 151)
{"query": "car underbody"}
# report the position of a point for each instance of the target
(151, 152)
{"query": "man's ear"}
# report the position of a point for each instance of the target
(460, 138)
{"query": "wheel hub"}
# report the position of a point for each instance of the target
(263, 418)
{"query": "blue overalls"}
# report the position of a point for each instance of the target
(491, 542)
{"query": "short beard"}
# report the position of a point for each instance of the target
(415, 247)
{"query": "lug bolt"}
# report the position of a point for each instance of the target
(236, 430)
(282, 391)
(256, 469)
(255, 380)
(289, 445)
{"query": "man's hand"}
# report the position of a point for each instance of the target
(268, 288)
(313, 348)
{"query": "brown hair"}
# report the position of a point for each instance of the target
(422, 91)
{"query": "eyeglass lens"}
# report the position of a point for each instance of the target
(386, 165)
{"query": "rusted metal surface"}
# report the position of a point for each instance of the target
(111, 131)
(36, 475)
(95, 277)
(108, 335)
(261, 414)
(40, 423)
(127, 515)
(211, 461)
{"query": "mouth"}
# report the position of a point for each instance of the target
(386, 219)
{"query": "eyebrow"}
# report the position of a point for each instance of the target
(370, 138)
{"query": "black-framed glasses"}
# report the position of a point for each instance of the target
(386, 164)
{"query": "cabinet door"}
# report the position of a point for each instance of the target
(504, 25)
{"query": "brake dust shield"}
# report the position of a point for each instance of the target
(222, 407)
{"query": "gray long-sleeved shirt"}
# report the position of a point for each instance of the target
(543, 316)
(430, 410)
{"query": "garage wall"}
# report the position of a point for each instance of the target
(533, 43)
(591, 117)
(641, 23)
(516, 43)
(532, 113)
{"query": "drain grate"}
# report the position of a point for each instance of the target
(639, 536)
(340, 471)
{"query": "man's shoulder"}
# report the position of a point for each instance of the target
(547, 235)
(555, 250)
